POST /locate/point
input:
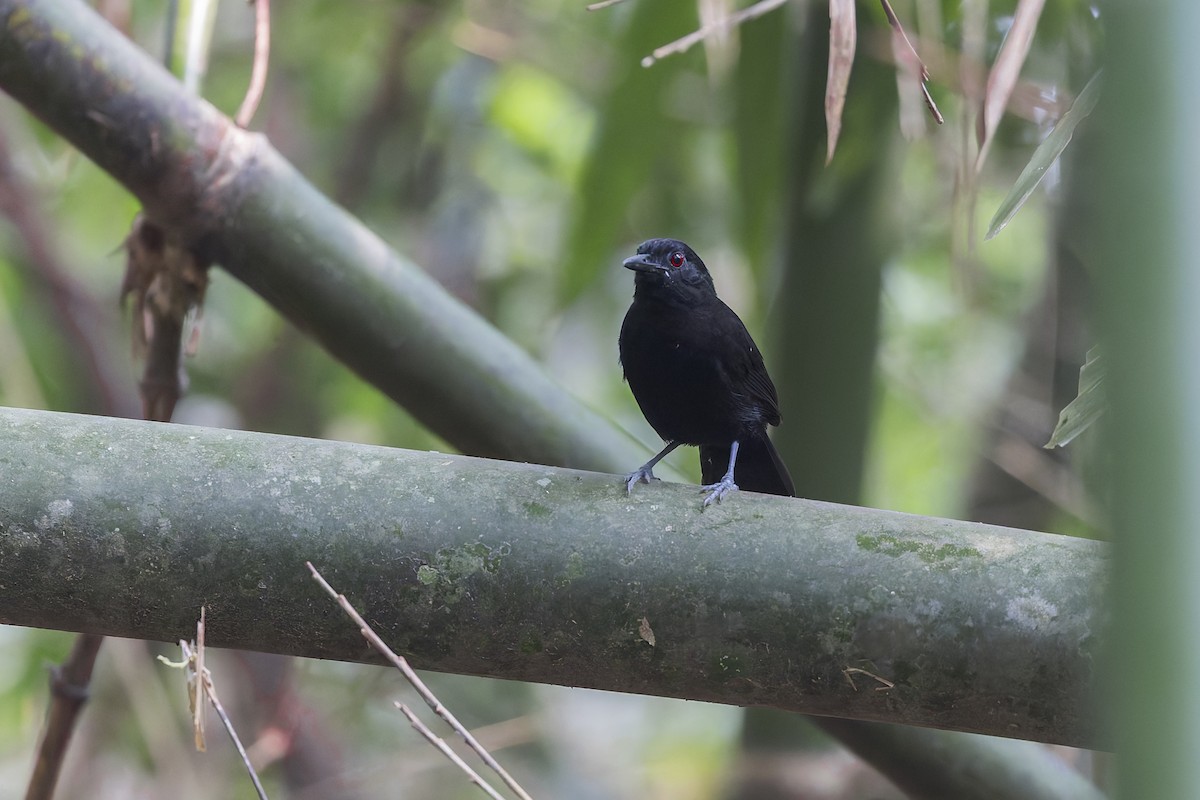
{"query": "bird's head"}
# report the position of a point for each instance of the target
(671, 265)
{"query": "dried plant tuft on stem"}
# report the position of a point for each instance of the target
(200, 687)
(167, 281)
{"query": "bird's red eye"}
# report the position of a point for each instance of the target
(676, 259)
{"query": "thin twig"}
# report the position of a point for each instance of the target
(258, 73)
(200, 686)
(919, 65)
(848, 671)
(400, 663)
(603, 4)
(444, 748)
(683, 44)
(211, 692)
(955, 71)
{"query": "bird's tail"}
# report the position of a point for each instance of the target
(759, 467)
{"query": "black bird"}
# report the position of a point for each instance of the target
(697, 375)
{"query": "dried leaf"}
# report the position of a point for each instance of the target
(195, 691)
(197, 679)
(645, 631)
(843, 38)
(202, 673)
(1003, 77)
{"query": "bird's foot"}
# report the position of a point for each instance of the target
(643, 474)
(716, 491)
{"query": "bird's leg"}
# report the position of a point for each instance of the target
(725, 485)
(645, 473)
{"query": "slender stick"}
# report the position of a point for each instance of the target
(922, 72)
(684, 43)
(200, 685)
(400, 663)
(211, 692)
(441, 745)
(258, 73)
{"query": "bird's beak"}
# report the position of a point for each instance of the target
(641, 263)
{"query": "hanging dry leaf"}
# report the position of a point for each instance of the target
(1003, 77)
(843, 38)
(202, 680)
(197, 680)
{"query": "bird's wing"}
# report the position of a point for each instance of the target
(748, 371)
(762, 390)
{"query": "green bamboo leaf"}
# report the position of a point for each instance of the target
(1088, 406)
(1045, 156)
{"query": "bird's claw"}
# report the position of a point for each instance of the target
(639, 475)
(717, 491)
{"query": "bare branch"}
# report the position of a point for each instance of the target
(211, 692)
(683, 44)
(400, 663)
(444, 748)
